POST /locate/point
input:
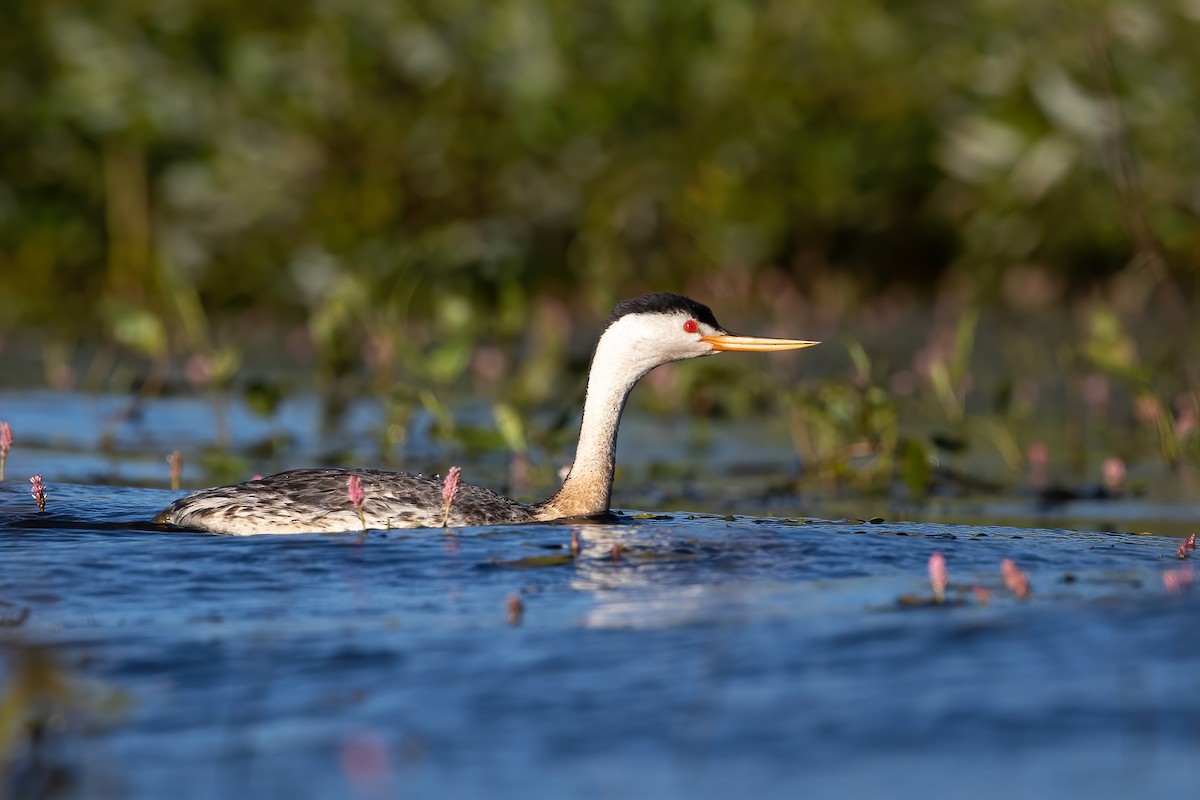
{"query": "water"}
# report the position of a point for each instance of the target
(757, 656)
(714, 657)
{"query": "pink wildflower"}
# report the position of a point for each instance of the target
(1185, 422)
(176, 462)
(6, 440)
(355, 491)
(937, 576)
(1113, 470)
(449, 491)
(357, 497)
(514, 609)
(1016, 580)
(1038, 456)
(1176, 580)
(365, 762)
(38, 490)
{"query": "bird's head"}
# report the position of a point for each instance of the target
(661, 327)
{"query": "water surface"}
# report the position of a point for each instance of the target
(713, 657)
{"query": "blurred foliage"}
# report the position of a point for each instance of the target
(1029, 412)
(361, 166)
(429, 194)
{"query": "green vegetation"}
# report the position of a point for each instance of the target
(437, 194)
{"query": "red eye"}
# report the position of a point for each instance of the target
(690, 326)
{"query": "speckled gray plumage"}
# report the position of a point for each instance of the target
(316, 500)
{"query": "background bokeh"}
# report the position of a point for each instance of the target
(982, 206)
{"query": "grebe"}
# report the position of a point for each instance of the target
(641, 334)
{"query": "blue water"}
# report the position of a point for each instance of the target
(748, 657)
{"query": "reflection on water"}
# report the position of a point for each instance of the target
(712, 657)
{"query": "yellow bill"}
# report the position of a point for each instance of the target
(754, 344)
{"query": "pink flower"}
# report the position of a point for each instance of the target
(514, 608)
(1191, 542)
(937, 576)
(366, 764)
(1016, 580)
(449, 491)
(6, 440)
(1176, 580)
(450, 485)
(1113, 470)
(354, 491)
(1185, 422)
(1038, 456)
(38, 490)
(176, 462)
(1182, 552)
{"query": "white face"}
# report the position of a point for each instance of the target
(644, 341)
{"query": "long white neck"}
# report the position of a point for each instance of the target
(622, 358)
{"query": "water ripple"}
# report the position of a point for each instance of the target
(712, 655)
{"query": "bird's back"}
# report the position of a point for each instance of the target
(317, 500)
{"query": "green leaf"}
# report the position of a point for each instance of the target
(136, 328)
(915, 467)
(511, 426)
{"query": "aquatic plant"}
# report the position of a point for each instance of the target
(6, 441)
(175, 459)
(1165, 403)
(847, 430)
(38, 490)
(354, 491)
(1037, 456)
(1176, 580)
(938, 576)
(514, 609)
(945, 360)
(366, 764)
(449, 490)
(1113, 470)
(1016, 580)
